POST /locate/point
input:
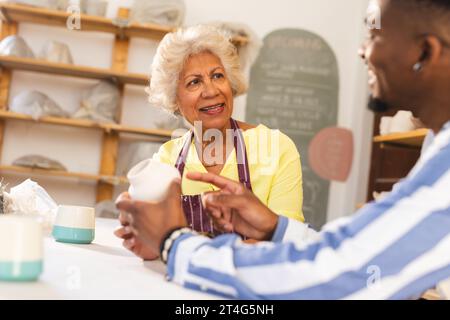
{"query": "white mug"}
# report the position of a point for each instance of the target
(385, 125)
(21, 248)
(402, 122)
(149, 180)
(74, 224)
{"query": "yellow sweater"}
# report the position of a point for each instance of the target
(274, 164)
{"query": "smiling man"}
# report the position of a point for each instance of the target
(395, 248)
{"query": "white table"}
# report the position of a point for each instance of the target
(101, 270)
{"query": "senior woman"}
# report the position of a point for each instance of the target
(196, 73)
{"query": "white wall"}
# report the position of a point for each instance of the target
(338, 22)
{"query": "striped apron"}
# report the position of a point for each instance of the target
(194, 211)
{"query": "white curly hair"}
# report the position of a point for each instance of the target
(172, 53)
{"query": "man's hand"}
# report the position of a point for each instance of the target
(151, 221)
(134, 244)
(129, 240)
(237, 209)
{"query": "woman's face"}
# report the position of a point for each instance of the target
(204, 92)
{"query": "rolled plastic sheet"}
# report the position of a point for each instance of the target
(55, 51)
(165, 12)
(50, 4)
(37, 105)
(40, 162)
(15, 46)
(99, 103)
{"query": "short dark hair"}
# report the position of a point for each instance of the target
(431, 14)
(435, 4)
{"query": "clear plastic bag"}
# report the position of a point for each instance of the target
(99, 103)
(29, 198)
(15, 46)
(165, 12)
(37, 105)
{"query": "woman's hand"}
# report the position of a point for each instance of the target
(236, 208)
(221, 217)
(149, 222)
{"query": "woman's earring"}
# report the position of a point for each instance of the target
(418, 67)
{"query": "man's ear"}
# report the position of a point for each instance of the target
(431, 51)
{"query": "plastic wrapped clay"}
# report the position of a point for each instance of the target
(56, 52)
(37, 105)
(165, 12)
(15, 46)
(106, 209)
(248, 51)
(172, 122)
(94, 7)
(133, 153)
(99, 103)
(50, 4)
(40, 162)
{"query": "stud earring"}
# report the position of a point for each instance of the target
(418, 67)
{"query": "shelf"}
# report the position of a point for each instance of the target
(47, 67)
(80, 123)
(411, 139)
(22, 13)
(64, 174)
(387, 180)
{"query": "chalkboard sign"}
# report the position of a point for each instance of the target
(294, 87)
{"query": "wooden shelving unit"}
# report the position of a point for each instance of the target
(80, 123)
(21, 13)
(393, 156)
(411, 139)
(13, 14)
(42, 66)
(120, 27)
(64, 174)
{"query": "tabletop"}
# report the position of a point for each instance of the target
(100, 270)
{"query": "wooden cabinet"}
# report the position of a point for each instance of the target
(393, 156)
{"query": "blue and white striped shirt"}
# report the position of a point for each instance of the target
(395, 248)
